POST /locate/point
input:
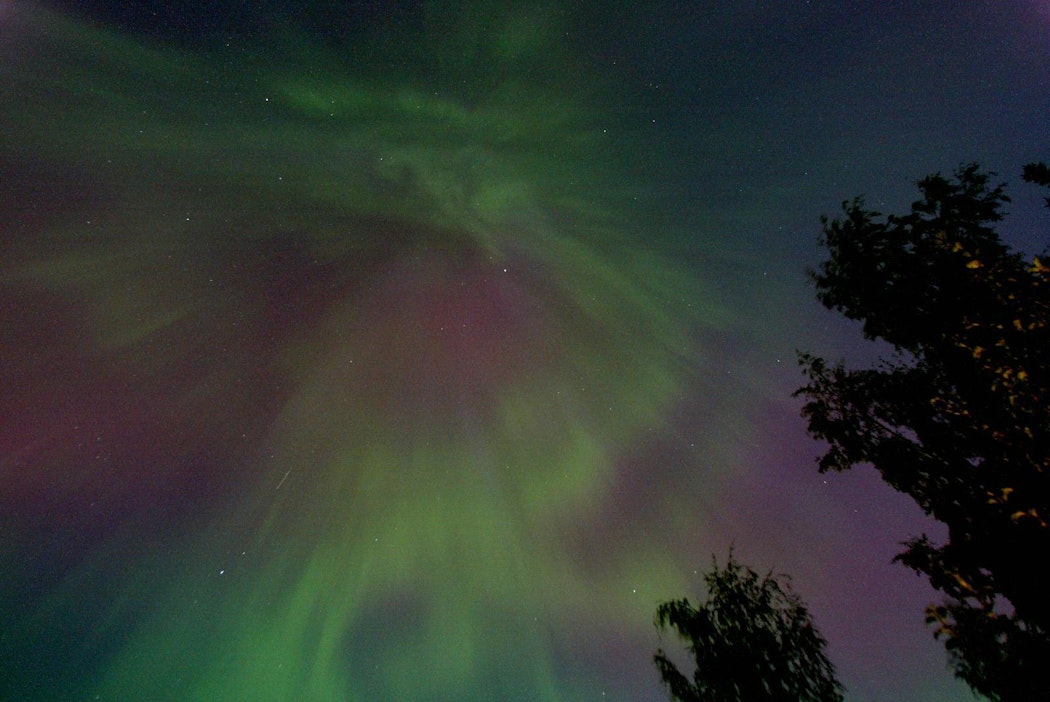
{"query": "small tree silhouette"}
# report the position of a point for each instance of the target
(753, 641)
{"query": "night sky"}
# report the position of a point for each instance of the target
(417, 351)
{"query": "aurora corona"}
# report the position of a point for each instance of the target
(340, 365)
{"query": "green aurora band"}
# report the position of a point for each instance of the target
(417, 322)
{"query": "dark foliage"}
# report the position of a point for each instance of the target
(958, 417)
(752, 641)
(1038, 173)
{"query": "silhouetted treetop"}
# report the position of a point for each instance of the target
(958, 416)
(752, 641)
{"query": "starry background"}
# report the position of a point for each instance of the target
(418, 350)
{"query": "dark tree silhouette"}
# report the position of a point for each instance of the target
(752, 641)
(957, 415)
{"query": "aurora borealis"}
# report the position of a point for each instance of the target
(417, 351)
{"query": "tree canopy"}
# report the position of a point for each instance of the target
(752, 641)
(957, 413)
